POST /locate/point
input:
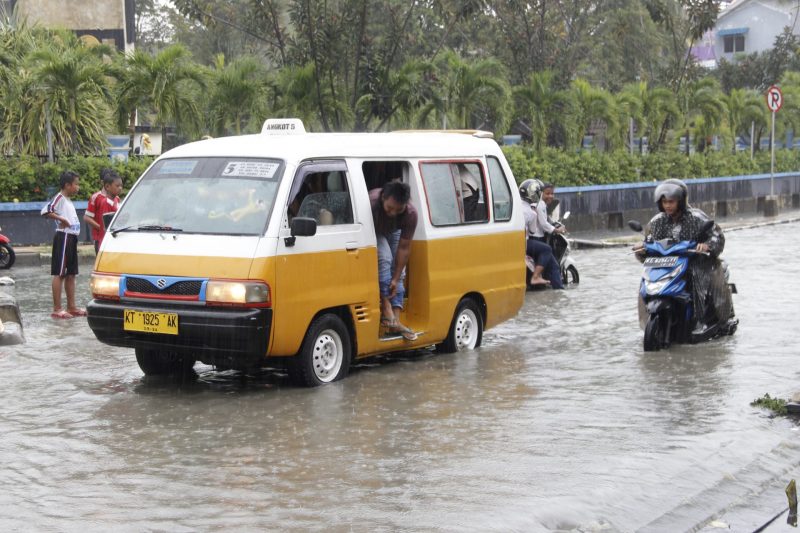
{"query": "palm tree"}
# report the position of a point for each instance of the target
(703, 108)
(656, 104)
(465, 89)
(541, 103)
(168, 83)
(70, 91)
(53, 92)
(398, 94)
(588, 104)
(238, 93)
(742, 107)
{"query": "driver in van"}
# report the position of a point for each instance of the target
(395, 219)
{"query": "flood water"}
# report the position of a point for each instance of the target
(560, 422)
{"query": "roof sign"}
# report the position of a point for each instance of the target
(283, 126)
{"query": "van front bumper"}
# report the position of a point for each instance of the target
(235, 337)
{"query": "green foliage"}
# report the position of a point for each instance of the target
(601, 168)
(26, 179)
(776, 405)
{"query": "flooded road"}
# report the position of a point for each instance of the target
(559, 422)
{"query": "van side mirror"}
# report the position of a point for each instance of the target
(107, 218)
(301, 227)
(635, 225)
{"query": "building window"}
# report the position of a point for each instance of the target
(734, 43)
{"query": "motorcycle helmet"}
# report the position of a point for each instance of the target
(672, 189)
(531, 190)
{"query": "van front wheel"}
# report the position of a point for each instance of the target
(466, 330)
(325, 353)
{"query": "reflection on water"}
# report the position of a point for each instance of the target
(559, 422)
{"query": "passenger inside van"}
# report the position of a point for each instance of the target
(474, 208)
(323, 196)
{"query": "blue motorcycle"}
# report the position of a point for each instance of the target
(665, 304)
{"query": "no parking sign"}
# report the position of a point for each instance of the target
(774, 99)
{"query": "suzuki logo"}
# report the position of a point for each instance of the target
(161, 283)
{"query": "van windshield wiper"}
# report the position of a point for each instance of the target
(145, 227)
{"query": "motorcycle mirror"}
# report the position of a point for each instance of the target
(635, 225)
(566, 216)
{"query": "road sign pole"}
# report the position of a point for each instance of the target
(772, 159)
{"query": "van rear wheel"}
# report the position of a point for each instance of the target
(325, 354)
(466, 330)
(163, 362)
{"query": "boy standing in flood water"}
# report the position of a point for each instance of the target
(64, 261)
(106, 200)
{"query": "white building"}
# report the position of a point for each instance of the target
(748, 26)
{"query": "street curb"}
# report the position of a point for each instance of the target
(581, 244)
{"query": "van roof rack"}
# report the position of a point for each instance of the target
(475, 133)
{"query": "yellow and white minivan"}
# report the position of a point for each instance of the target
(259, 249)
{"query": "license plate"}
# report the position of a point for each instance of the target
(661, 262)
(151, 322)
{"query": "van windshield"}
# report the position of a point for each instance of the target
(214, 195)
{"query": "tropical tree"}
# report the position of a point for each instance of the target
(743, 107)
(702, 109)
(540, 103)
(55, 95)
(657, 105)
(167, 83)
(238, 94)
(587, 105)
(465, 93)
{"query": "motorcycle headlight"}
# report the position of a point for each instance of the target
(654, 287)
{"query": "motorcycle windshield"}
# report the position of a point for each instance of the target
(208, 195)
(669, 247)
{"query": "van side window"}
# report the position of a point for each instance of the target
(322, 195)
(501, 194)
(456, 193)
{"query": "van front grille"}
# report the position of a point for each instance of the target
(180, 288)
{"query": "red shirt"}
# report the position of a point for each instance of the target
(100, 204)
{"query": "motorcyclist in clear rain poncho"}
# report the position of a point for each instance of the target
(679, 221)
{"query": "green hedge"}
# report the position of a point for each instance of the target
(599, 168)
(26, 179)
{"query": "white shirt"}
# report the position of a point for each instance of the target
(63, 207)
(540, 225)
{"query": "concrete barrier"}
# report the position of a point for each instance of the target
(22, 223)
(594, 207)
(609, 207)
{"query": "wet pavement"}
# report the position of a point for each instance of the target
(560, 422)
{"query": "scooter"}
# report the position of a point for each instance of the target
(561, 248)
(665, 304)
(7, 255)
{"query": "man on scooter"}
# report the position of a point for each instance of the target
(679, 221)
(531, 191)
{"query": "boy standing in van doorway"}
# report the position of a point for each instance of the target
(106, 200)
(395, 219)
(64, 261)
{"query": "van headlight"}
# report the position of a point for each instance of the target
(247, 293)
(104, 286)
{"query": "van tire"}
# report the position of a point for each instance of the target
(466, 329)
(325, 354)
(163, 362)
